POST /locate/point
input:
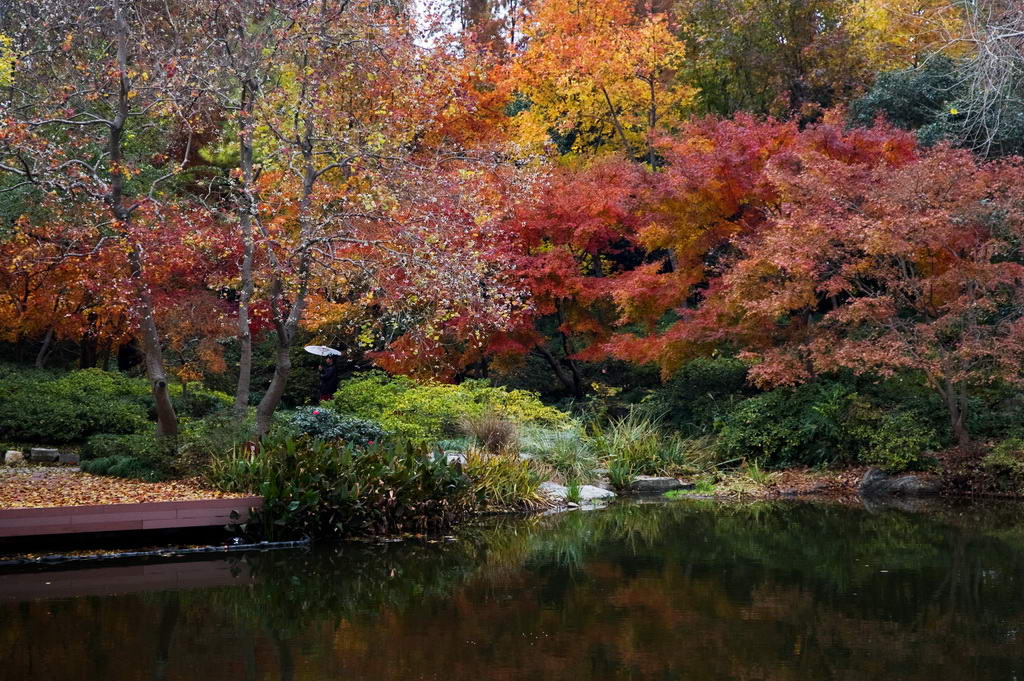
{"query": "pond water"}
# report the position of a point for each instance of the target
(687, 590)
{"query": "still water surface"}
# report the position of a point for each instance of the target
(689, 590)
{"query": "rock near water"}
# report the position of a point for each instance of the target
(876, 483)
(650, 484)
(588, 493)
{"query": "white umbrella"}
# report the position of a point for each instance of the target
(321, 350)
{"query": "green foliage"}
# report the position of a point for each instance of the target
(702, 487)
(702, 392)
(318, 489)
(909, 98)
(323, 423)
(786, 427)
(895, 441)
(141, 445)
(504, 481)
(1006, 463)
(121, 466)
(41, 407)
(637, 444)
(430, 412)
(829, 421)
(568, 452)
(200, 440)
(933, 100)
(195, 401)
(573, 493)
(370, 394)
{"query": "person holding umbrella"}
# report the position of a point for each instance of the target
(328, 370)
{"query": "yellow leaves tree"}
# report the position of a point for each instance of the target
(7, 57)
(597, 75)
(898, 34)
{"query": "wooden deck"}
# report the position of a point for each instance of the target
(29, 522)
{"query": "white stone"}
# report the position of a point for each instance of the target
(592, 493)
(554, 491)
(13, 457)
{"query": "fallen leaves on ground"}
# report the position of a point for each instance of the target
(807, 482)
(36, 487)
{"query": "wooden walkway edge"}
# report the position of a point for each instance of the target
(29, 522)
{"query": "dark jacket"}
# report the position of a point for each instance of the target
(328, 379)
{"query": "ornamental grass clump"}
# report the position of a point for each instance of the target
(636, 445)
(571, 455)
(505, 482)
(491, 431)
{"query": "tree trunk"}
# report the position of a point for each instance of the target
(955, 396)
(245, 224)
(165, 636)
(282, 367)
(167, 420)
(286, 326)
(103, 359)
(44, 352)
(577, 383)
(87, 352)
(563, 377)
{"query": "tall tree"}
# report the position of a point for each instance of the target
(597, 74)
(93, 85)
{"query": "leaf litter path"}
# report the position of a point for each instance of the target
(45, 487)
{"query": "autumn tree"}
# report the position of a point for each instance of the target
(95, 87)
(782, 59)
(881, 268)
(354, 202)
(245, 38)
(597, 75)
(863, 253)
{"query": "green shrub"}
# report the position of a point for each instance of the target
(1006, 463)
(787, 427)
(193, 402)
(106, 444)
(701, 392)
(637, 444)
(197, 402)
(121, 466)
(889, 425)
(40, 407)
(199, 440)
(316, 488)
(323, 423)
(895, 441)
(910, 98)
(433, 411)
(504, 481)
(370, 394)
(570, 454)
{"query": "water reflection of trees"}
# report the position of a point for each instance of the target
(696, 590)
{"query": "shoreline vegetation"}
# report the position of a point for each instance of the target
(389, 455)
